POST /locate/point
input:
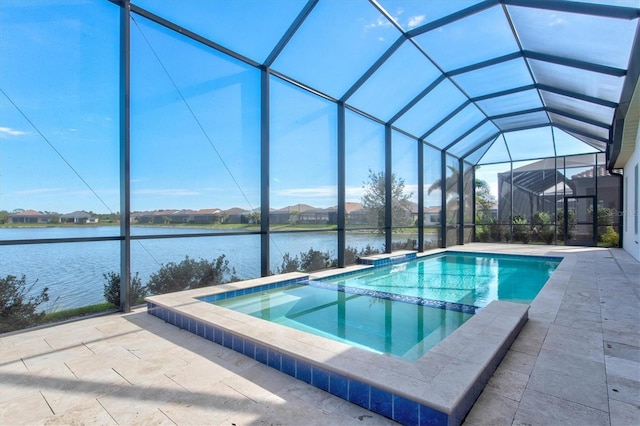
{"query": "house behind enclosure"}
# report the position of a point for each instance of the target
(29, 216)
(79, 216)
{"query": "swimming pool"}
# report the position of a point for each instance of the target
(457, 277)
(438, 388)
(383, 325)
(402, 310)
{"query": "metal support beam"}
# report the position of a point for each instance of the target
(189, 34)
(473, 202)
(420, 196)
(445, 119)
(293, 28)
(453, 17)
(388, 199)
(342, 222)
(381, 60)
(125, 157)
(264, 171)
(460, 224)
(574, 63)
(570, 94)
(443, 199)
(579, 7)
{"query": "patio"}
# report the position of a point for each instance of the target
(577, 361)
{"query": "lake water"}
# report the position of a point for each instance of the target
(73, 272)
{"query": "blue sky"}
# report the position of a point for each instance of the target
(195, 112)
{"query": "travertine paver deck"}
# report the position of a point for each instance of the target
(577, 361)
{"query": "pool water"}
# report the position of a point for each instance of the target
(404, 330)
(467, 278)
(401, 310)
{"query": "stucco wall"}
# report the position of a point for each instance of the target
(631, 235)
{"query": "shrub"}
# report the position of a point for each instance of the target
(520, 231)
(351, 255)
(409, 244)
(314, 260)
(137, 291)
(17, 310)
(482, 233)
(289, 264)
(190, 274)
(541, 228)
(605, 221)
(610, 238)
(571, 226)
(495, 231)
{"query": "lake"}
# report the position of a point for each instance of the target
(73, 272)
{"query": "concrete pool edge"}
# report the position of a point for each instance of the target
(439, 387)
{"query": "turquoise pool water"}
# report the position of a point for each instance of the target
(401, 310)
(467, 278)
(405, 330)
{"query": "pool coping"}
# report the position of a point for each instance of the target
(440, 387)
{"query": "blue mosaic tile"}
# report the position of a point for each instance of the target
(381, 402)
(429, 416)
(193, 326)
(237, 344)
(449, 306)
(320, 378)
(217, 335)
(504, 256)
(176, 320)
(227, 339)
(261, 354)
(232, 293)
(405, 411)
(274, 360)
(200, 329)
(338, 385)
(208, 332)
(288, 365)
(303, 371)
(359, 393)
(249, 349)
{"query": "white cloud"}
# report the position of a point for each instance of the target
(378, 23)
(11, 132)
(354, 192)
(555, 20)
(320, 191)
(169, 192)
(415, 21)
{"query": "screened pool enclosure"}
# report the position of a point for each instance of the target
(185, 143)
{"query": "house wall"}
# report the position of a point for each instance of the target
(631, 221)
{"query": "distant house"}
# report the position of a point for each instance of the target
(234, 215)
(318, 216)
(29, 216)
(80, 216)
(356, 214)
(432, 215)
(183, 216)
(288, 215)
(206, 216)
(156, 216)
